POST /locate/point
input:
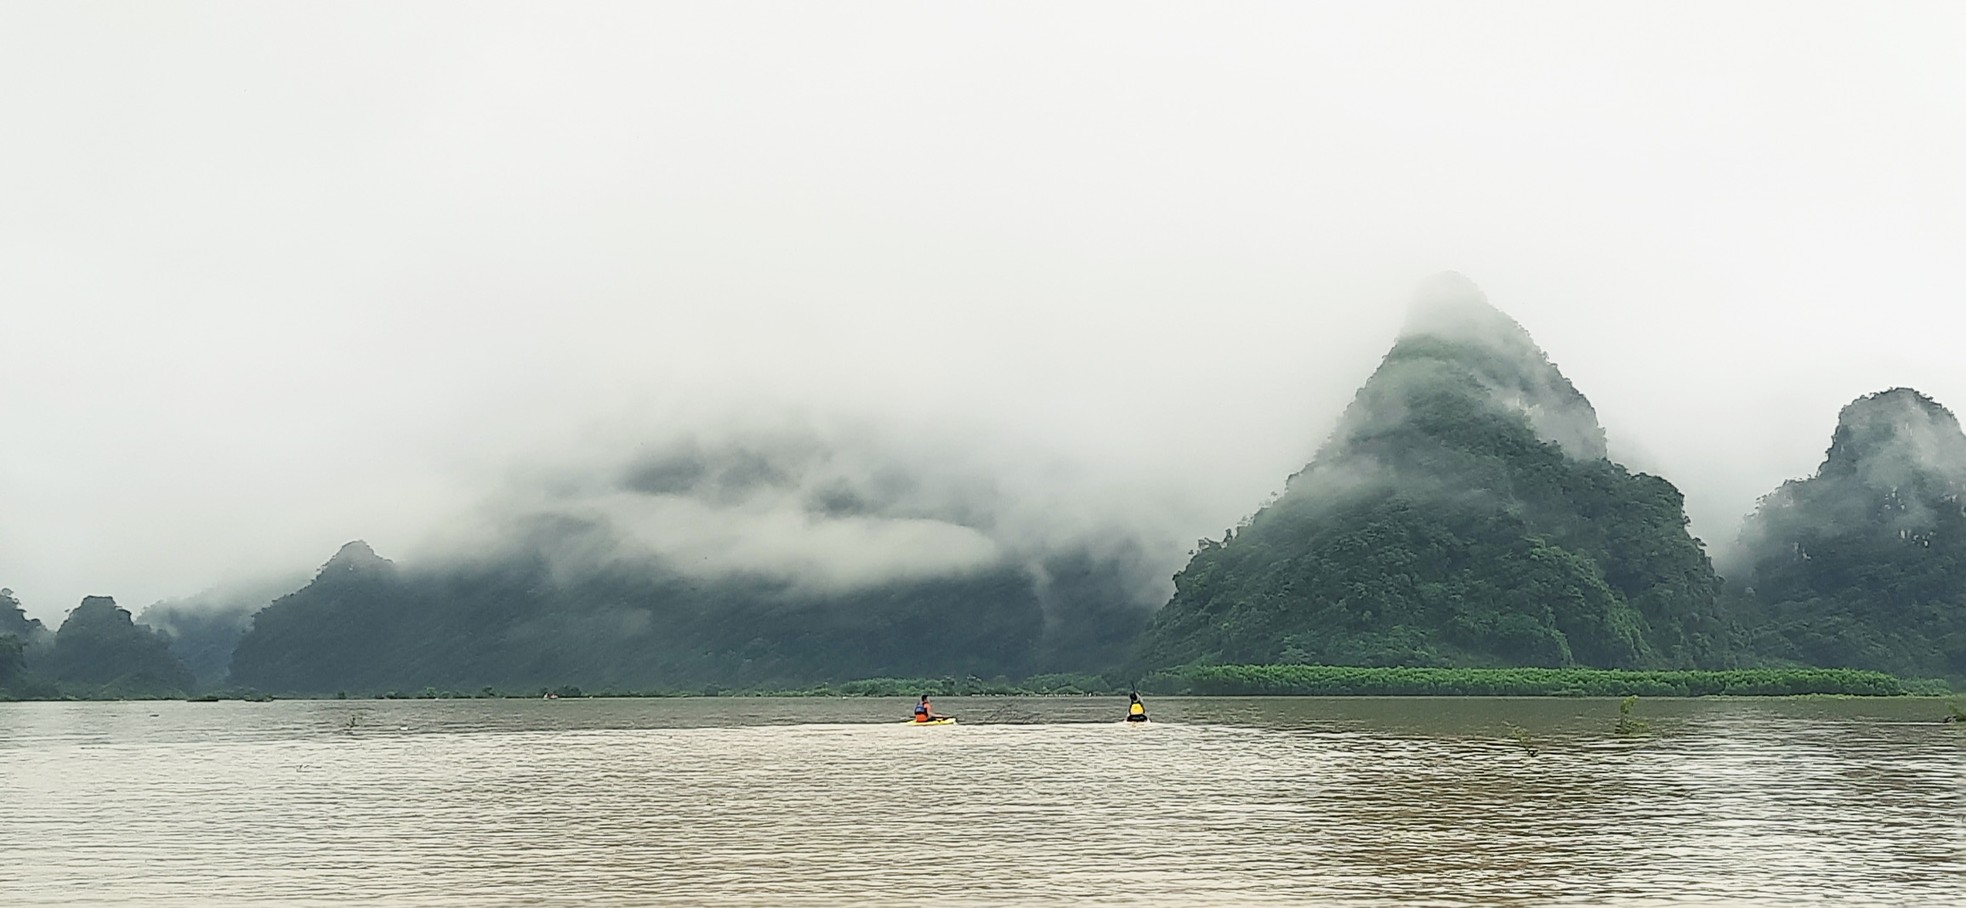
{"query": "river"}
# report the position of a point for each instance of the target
(768, 802)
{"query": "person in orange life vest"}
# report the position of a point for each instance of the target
(924, 712)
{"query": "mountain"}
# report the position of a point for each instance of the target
(99, 646)
(1864, 564)
(16, 624)
(21, 640)
(1464, 512)
(204, 628)
(14, 621)
(534, 615)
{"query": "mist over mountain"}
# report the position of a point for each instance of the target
(14, 621)
(17, 633)
(830, 507)
(101, 650)
(1462, 513)
(777, 557)
(203, 629)
(1864, 563)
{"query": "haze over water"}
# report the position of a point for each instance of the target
(822, 802)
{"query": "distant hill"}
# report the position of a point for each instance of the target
(1463, 513)
(1864, 564)
(20, 637)
(518, 620)
(206, 627)
(14, 621)
(100, 650)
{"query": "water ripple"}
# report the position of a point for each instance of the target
(813, 802)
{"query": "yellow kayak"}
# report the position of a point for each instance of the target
(945, 720)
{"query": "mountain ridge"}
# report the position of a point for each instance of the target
(1466, 468)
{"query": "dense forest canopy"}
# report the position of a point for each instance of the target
(14, 621)
(514, 620)
(1463, 513)
(100, 646)
(782, 555)
(204, 629)
(1864, 563)
(18, 633)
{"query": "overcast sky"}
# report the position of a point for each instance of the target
(277, 276)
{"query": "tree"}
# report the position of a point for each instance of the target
(101, 648)
(1463, 513)
(1863, 564)
(13, 659)
(14, 620)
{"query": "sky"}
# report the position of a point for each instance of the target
(278, 276)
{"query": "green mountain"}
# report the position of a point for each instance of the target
(1864, 564)
(14, 621)
(100, 648)
(1463, 513)
(529, 617)
(21, 638)
(205, 628)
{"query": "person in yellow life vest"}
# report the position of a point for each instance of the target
(1135, 710)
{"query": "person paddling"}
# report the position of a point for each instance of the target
(924, 712)
(1135, 710)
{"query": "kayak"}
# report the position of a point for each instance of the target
(945, 720)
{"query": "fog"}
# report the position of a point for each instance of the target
(1450, 307)
(955, 282)
(830, 505)
(1897, 464)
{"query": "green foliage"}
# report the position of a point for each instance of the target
(202, 635)
(515, 622)
(1626, 724)
(1864, 564)
(1523, 740)
(1438, 528)
(13, 660)
(14, 621)
(914, 687)
(1331, 680)
(100, 652)
(1295, 680)
(20, 637)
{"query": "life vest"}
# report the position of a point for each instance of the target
(921, 712)
(1137, 709)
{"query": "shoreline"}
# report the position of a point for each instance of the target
(1202, 681)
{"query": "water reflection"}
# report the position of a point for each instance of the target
(776, 802)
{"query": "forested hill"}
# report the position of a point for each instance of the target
(1864, 563)
(520, 618)
(101, 651)
(1463, 513)
(17, 633)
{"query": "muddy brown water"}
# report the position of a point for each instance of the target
(1218, 801)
